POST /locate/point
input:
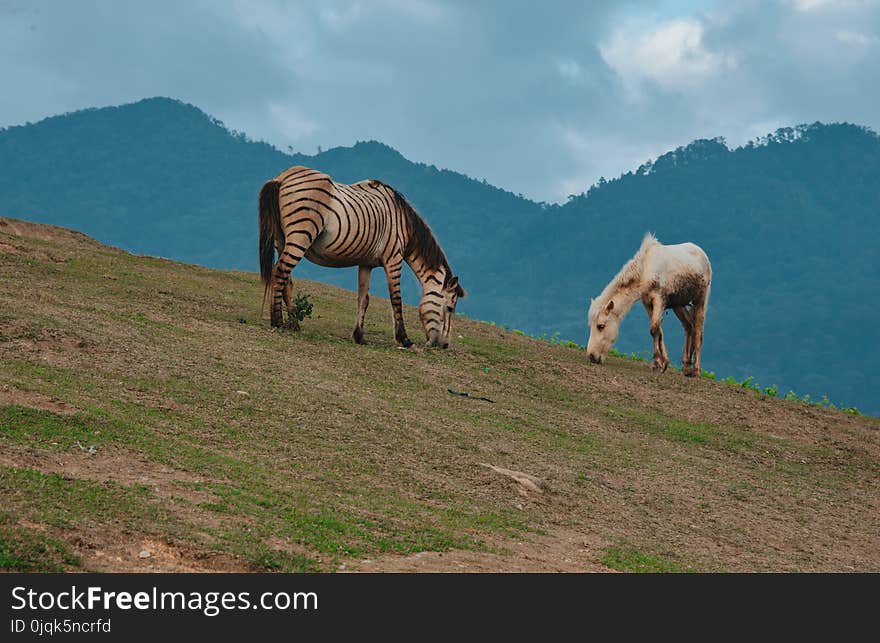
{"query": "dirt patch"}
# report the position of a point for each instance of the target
(562, 549)
(43, 232)
(108, 464)
(21, 251)
(124, 553)
(10, 395)
(55, 347)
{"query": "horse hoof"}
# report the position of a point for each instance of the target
(405, 343)
(358, 337)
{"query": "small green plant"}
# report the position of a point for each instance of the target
(302, 307)
(299, 309)
(632, 356)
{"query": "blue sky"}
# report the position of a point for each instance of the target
(538, 98)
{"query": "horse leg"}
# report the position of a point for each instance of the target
(392, 274)
(684, 317)
(699, 316)
(288, 298)
(287, 293)
(363, 302)
(282, 286)
(655, 310)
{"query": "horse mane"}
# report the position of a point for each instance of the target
(421, 239)
(629, 274)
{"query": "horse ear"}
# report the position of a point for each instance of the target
(462, 293)
(610, 306)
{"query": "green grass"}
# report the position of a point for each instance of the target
(38, 427)
(27, 550)
(773, 391)
(63, 503)
(627, 559)
(698, 433)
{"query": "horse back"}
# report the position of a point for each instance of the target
(681, 272)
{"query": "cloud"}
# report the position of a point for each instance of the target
(835, 5)
(856, 38)
(569, 69)
(541, 102)
(671, 54)
(292, 123)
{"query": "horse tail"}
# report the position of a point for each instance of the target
(708, 290)
(270, 228)
(708, 281)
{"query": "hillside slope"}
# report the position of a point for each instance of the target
(789, 227)
(150, 421)
(788, 222)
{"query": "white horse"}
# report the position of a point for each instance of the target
(662, 277)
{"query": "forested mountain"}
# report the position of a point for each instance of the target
(789, 222)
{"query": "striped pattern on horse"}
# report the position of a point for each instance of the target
(304, 213)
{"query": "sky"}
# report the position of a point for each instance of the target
(541, 99)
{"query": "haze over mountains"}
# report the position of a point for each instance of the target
(789, 223)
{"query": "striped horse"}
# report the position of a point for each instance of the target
(304, 213)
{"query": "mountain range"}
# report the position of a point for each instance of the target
(788, 220)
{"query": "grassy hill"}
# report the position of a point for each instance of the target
(788, 222)
(149, 420)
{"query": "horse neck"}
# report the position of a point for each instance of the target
(431, 304)
(626, 288)
(624, 299)
(431, 278)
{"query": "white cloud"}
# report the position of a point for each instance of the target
(671, 54)
(569, 69)
(823, 5)
(856, 38)
(338, 18)
(291, 122)
(606, 153)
